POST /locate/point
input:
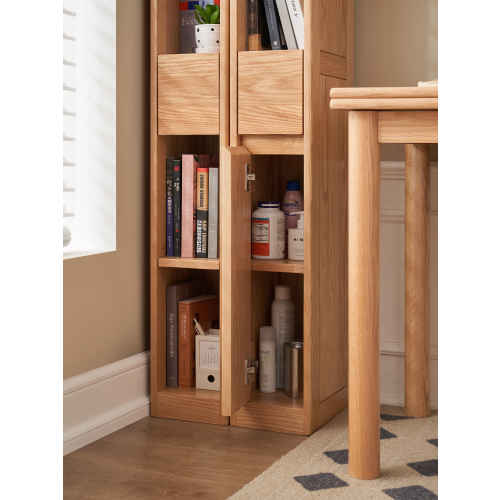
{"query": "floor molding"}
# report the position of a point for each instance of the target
(101, 401)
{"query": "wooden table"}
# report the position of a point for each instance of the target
(406, 115)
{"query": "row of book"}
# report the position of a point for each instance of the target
(280, 23)
(185, 302)
(192, 206)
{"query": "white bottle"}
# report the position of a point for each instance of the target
(296, 239)
(283, 321)
(267, 359)
(268, 231)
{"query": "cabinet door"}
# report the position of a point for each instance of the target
(236, 282)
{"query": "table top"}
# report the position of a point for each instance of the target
(385, 98)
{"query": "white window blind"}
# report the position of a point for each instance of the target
(89, 127)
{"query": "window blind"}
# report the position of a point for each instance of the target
(70, 133)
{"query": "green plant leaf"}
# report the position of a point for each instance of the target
(215, 17)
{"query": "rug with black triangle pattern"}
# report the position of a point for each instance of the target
(318, 467)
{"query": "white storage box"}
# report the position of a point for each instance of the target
(208, 361)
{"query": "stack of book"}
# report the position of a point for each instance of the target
(281, 23)
(192, 206)
(185, 302)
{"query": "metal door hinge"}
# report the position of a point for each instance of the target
(249, 177)
(251, 368)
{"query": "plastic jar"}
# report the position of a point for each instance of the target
(292, 202)
(268, 231)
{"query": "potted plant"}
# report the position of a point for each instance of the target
(207, 31)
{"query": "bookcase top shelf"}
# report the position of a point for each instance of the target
(178, 262)
(278, 266)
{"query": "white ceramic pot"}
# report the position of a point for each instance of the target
(207, 37)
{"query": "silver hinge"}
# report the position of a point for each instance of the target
(251, 368)
(249, 177)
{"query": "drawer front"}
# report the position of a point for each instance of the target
(271, 92)
(188, 94)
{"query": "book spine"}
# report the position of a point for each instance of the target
(272, 24)
(297, 19)
(170, 208)
(188, 229)
(286, 24)
(172, 376)
(177, 197)
(202, 213)
(186, 352)
(213, 212)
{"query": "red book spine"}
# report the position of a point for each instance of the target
(186, 347)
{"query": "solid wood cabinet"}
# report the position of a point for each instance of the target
(272, 121)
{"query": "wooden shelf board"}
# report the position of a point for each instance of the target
(188, 403)
(191, 393)
(278, 398)
(273, 412)
(278, 266)
(177, 262)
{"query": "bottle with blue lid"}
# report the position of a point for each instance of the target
(292, 203)
(268, 231)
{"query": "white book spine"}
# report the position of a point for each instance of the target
(297, 19)
(286, 24)
(213, 212)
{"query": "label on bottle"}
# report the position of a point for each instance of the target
(260, 236)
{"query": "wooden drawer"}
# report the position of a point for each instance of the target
(188, 94)
(271, 92)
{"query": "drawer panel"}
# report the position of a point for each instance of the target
(271, 92)
(188, 94)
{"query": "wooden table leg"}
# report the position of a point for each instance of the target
(417, 282)
(363, 296)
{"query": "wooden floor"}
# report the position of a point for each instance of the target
(156, 458)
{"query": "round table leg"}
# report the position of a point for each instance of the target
(363, 295)
(417, 282)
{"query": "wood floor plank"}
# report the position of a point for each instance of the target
(157, 459)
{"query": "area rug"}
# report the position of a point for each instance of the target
(318, 468)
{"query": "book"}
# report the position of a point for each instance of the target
(188, 227)
(254, 37)
(297, 20)
(202, 211)
(205, 309)
(174, 294)
(177, 200)
(213, 212)
(272, 24)
(170, 207)
(286, 24)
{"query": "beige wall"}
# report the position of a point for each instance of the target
(396, 44)
(105, 296)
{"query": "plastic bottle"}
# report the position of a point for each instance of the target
(283, 321)
(268, 231)
(296, 239)
(267, 359)
(292, 202)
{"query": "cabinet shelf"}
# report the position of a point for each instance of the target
(178, 262)
(278, 266)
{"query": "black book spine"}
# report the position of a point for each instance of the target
(177, 203)
(272, 24)
(170, 208)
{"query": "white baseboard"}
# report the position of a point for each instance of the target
(392, 380)
(105, 400)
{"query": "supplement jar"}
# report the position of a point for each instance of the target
(268, 231)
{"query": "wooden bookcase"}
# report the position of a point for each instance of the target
(267, 112)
